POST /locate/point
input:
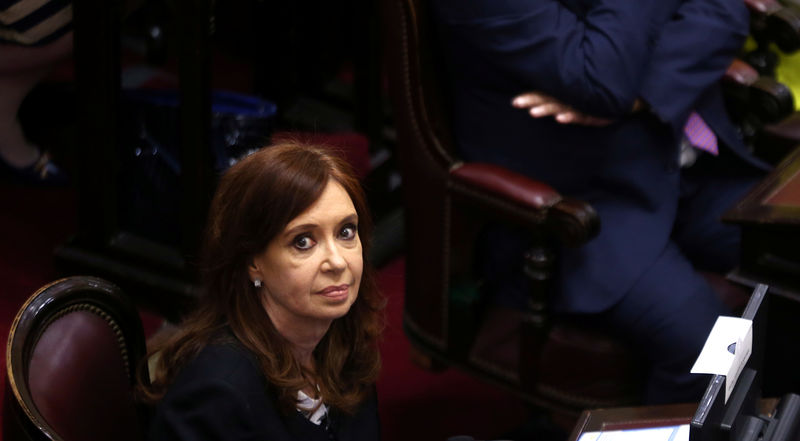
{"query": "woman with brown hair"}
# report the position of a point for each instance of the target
(283, 343)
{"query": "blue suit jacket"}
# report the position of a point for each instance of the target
(598, 56)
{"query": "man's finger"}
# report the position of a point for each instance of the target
(567, 117)
(529, 99)
(574, 117)
(548, 109)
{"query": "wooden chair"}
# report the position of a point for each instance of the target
(773, 24)
(763, 109)
(560, 366)
(71, 356)
(773, 132)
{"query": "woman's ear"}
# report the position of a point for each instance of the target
(254, 271)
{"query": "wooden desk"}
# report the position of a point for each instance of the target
(769, 216)
(644, 416)
(632, 418)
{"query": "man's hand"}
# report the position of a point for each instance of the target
(540, 105)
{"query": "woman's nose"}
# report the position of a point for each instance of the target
(334, 260)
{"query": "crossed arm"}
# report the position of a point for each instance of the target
(690, 52)
(540, 105)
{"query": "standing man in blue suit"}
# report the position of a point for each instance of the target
(604, 90)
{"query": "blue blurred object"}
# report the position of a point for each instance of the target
(150, 154)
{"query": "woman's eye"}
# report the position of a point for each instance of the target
(348, 232)
(303, 242)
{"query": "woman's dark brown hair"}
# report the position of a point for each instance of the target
(255, 199)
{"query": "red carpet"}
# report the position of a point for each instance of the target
(420, 405)
(414, 404)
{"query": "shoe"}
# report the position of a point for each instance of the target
(42, 172)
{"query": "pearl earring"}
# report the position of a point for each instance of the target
(257, 283)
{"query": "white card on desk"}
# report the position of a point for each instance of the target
(727, 350)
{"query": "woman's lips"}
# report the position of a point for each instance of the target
(335, 291)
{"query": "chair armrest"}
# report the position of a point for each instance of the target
(784, 28)
(763, 6)
(749, 95)
(740, 73)
(575, 222)
(506, 184)
(771, 21)
(771, 101)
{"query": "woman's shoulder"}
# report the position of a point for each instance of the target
(219, 394)
(364, 424)
(224, 359)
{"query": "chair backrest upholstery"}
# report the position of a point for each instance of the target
(71, 357)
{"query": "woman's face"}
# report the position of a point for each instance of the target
(312, 270)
